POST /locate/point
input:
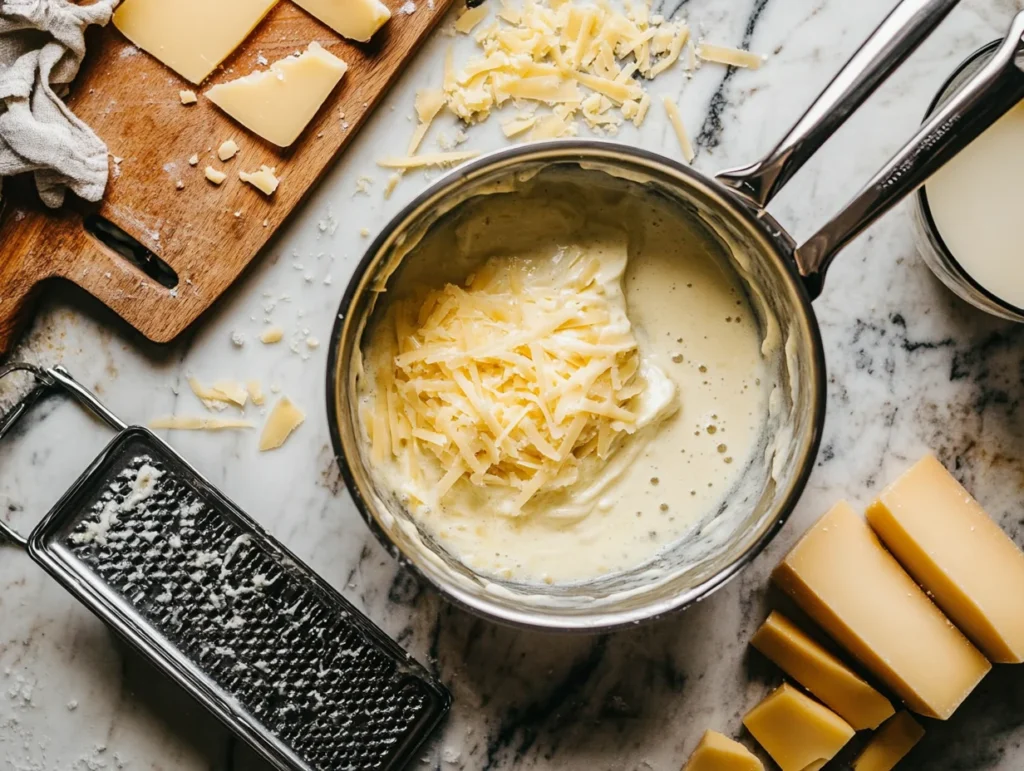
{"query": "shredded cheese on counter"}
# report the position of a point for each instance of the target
(545, 52)
(677, 124)
(588, 62)
(509, 381)
(734, 57)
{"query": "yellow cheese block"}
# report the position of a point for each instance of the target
(190, 36)
(828, 678)
(280, 102)
(853, 588)
(890, 745)
(798, 732)
(947, 542)
(354, 19)
(720, 753)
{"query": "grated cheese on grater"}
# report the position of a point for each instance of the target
(509, 381)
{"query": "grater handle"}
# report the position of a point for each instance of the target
(85, 397)
(47, 379)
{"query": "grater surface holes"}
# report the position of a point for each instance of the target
(248, 619)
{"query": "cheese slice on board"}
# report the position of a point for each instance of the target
(798, 732)
(821, 673)
(280, 102)
(854, 589)
(962, 558)
(890, 744)
(720, 753)
(190, 36)
(354, 19)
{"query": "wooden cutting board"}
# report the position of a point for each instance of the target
(131, 100)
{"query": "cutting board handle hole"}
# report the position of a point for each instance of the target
(128, 247)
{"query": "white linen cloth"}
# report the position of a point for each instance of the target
(42, 43)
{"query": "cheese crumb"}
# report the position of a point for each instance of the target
(224, 391)
(255, 392)
(263, 180)
(515, 127)
(428, 159)
(393, 181)
(272, 335)
(470, 18)
(194, 160)
(677, 124)
(312, 342)
(428, 103)
(189, 423)
(363, 183)
(364, 232)
(215, 176)
(283, 420)
(232, 391)
(552, 127)
(734, 57)
(227, 150)
(188, 97)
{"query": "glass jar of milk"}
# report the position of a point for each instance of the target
(970, 215)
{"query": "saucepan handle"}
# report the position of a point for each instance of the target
(895, 39)
(979, 103)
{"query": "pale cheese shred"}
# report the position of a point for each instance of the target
(427, 159)
(509, 381)
(677, 124)
(734, 57)
(190, 423)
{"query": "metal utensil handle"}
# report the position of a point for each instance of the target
(893, 41)
(981, 101)
(47, 379)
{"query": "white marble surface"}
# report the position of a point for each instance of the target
(910, 368)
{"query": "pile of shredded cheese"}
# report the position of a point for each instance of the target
(509, 382)
(588, 61)
(577, 59)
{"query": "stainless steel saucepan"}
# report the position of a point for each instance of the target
(780, 279)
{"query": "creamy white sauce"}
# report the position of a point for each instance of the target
(975, 201)
(702, 359)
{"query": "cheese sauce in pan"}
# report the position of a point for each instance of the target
(698, 417)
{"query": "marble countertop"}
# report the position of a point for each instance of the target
(910, 368)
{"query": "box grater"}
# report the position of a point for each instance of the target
(238, 621)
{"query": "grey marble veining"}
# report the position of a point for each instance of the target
(910, 368)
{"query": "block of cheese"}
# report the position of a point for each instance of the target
(190, 36)
(798, 732)
(962, 558)
(720, 753)
(852, 587)
(280, 102)
(354, 19)
(890, 744)
(821, 673)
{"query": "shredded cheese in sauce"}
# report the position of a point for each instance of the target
(510, 381)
